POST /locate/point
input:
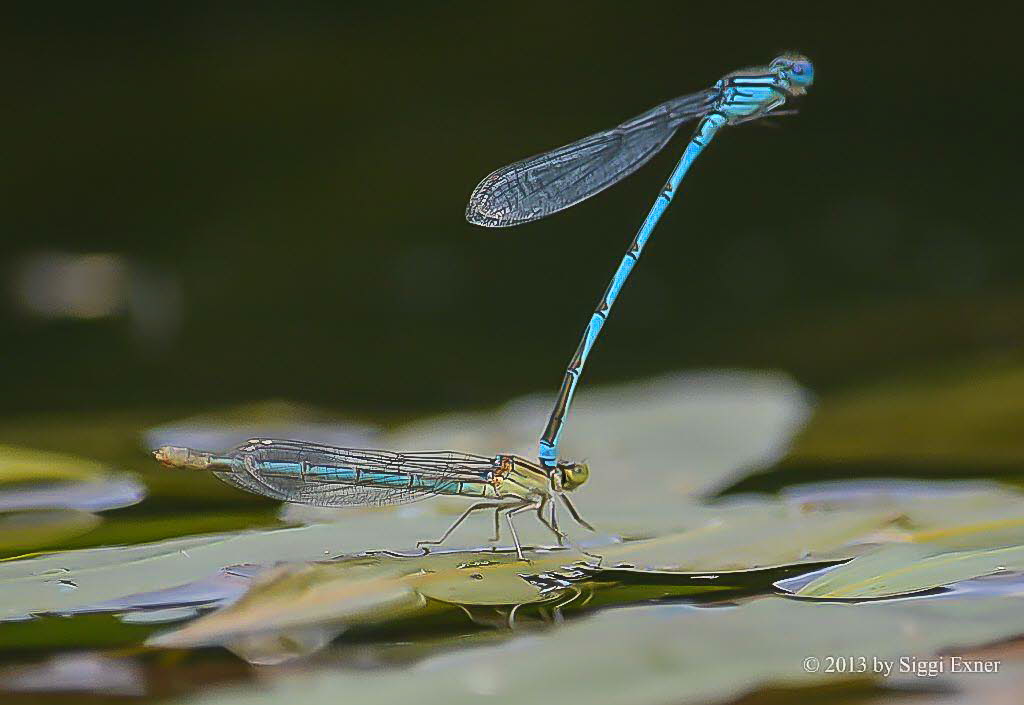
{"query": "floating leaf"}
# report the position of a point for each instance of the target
(370, 589)
(751, 536)
(111, 491)
(902, 569)
(384, 588)
(655, 655)
(103, 574)
(997, 527)
(680, 434)
(297, 596)
(27, 465)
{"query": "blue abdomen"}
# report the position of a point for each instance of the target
(333, 474)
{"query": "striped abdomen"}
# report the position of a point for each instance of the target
(355, 477)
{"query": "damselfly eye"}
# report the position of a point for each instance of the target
(798, 68)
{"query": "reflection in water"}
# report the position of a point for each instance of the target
(83, 672)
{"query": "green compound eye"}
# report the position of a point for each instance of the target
(574, 475)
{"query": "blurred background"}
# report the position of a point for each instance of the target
(222, 221)
(209, 205)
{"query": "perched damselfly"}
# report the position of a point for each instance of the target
(308, 473)
(296, 471)
(547, 183)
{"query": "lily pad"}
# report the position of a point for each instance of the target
(370, 589)
(902, 569)
(103, 574)
(383, 588)
(19, 465)
(112, 491)
(660, 654)
(751, 536)
(675, 437)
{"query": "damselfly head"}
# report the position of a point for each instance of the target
(573, 475)
(797, 69)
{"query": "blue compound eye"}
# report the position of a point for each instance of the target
(798, 68)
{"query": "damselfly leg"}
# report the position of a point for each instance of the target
(498, 506)
(575, 514)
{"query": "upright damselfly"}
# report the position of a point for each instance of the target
(308, 473)
(547, 183)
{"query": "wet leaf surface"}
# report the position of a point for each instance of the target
(902, 569)
(328, 596)
(663, 654)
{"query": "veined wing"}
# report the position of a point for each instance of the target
(296, 471)
(547, 183)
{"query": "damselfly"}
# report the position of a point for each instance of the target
(308, 473)
(550, 182)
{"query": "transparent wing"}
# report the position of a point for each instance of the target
(547, 183)
(322, 494)
(283, 470)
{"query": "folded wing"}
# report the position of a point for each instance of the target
(295, 471)
(547, 183)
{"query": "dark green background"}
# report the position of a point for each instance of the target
(303, 172)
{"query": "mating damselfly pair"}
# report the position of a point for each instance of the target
(297, 471)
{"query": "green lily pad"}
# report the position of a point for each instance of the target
(661, 654)
(751, 536)
(902, 569)
(103, 574)
(297, 596)
(370, 589)
(680, 435)
(383, 588)
(27, 465)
